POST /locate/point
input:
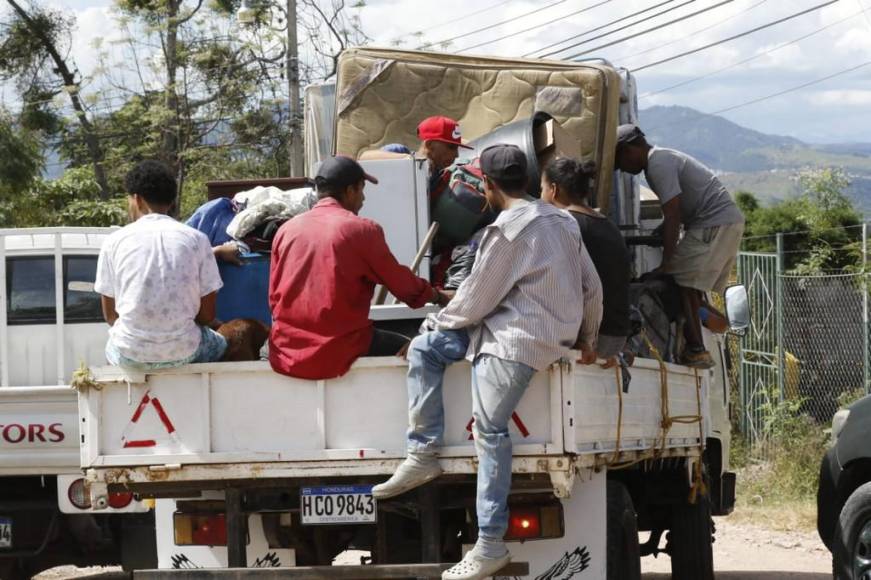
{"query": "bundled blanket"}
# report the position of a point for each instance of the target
(264, 204)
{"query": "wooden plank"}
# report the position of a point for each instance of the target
(322, 572)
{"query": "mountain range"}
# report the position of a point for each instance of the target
(753, 161)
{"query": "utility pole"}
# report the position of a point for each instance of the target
(295, 144)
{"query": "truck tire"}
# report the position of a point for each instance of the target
(623, 555)
(690, 541)
(851, 543)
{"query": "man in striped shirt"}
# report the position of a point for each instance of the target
(517, 312)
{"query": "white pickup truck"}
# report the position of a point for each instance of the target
(50, 323)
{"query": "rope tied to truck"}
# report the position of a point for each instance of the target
(83, 380)
(668, 421)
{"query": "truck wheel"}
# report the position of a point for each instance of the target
(690, 541)
(623, 554)
(851, 543)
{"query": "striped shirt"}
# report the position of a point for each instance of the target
(528, 292)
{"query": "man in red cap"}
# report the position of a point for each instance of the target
(440, 141)
(325, 265)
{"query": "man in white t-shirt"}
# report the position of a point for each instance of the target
(691, 196)
(158, 279)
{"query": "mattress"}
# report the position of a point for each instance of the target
(383, 94)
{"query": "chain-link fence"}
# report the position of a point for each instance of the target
(806, 353)
(825, 337)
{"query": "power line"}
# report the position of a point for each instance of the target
(690, 35)
(621, 28)
(792, 89)
(653, 29)
(597, 28)
(463, 17)
(491, 26)
(525, 30)
(736, 36)
(746, 60)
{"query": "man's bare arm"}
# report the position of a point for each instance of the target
(109, 313)
(670, 229)
(208, 309)
(374, 154)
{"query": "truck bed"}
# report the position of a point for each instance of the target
(224, 421)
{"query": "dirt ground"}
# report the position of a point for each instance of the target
(742, 551)
(748, 552)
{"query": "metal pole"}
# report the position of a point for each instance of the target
(778, 299)
(295, 142)
(864, 287)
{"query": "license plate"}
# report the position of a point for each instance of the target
(338, 504)
(5, 532)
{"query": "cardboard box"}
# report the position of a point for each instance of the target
(552, 141)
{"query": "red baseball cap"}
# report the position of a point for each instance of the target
(440, 129)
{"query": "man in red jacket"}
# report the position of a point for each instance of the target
(325, 266)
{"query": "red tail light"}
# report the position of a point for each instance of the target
(524, 524)
(535, 522)
(200, 530)
(78, 496)
(120, 499)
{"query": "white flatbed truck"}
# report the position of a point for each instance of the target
(253, 470)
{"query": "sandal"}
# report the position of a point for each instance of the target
(473, 567)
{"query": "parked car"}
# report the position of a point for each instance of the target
(844, 493)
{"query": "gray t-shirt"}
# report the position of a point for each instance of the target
(704, 202)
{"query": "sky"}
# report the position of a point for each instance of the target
(837, 37)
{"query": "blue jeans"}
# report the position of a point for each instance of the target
(429, 354)
(497, 386)
(211, 349)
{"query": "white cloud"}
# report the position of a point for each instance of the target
(848, 98)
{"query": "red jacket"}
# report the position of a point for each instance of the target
(325, 265)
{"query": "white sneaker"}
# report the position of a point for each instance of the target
(474, 567)
(415, 471)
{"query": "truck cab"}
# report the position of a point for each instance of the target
(51, 323)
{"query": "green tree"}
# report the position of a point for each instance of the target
(821, 227)
(34, 47)
(73, 200)
(21, 158)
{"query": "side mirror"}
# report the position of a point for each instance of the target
(737, 309)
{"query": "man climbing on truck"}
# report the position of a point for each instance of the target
(692, 196)
(517, 312)
(325, 266)
(158, 279)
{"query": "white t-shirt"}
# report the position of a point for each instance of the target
(157, 270)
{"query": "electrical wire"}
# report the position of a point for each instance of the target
(623, 59)
(491, 26)
(537, 26)
(735, 36)
(619, 29)
(597, 28)
(792, 89)
(465, 16)
(746, 60)
(653, 29)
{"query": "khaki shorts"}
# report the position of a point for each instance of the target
(705, 257)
